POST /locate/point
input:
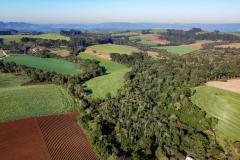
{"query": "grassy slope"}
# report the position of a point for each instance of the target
(113, 48)
(17, 38)
(109, 83)
(60, 52)
(180, 50)
(19, 102)
(223, 105)
(144, 41)
(49, 64)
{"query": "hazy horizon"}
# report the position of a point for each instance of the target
(134, 11)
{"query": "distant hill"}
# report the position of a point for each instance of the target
(21, 26)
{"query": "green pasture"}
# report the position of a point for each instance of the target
(49, 64)
(223, 105)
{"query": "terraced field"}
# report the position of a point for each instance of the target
(113, 48)
(19, 101)
(223, 105)
(49, 64)
(17, 38)
(109, 83)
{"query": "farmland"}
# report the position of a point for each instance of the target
(17, 38)
(45, 138)
(19, 101)
(48, 64)
(180, 50)
(109, 83)
(151, 40)
(231, 45)
(113, 48)
(223, 105)
(60, 52)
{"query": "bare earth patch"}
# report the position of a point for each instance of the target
(232, 45)
(158, 40)
(98, 53)
(197, 45)
(2, 53)
(231, 85)
(153, 54)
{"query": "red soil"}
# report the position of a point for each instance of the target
(158, 40)
(45, 138)
(99, 54)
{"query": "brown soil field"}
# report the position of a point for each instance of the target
(98, 54)
(197, 45)
(231, 85)
(232, 45)
(158, 40)
(45, 138)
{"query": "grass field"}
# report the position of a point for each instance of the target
(50, 36)
(113, 48)
(19, 102)
(63, 52)
(48, 64)
(144, 40)
(223, 105)
(180, 50)
(109, 83)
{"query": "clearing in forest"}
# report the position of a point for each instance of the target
(109, 83)
(114, 48)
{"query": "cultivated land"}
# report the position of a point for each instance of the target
(45, 138)
(49, 64)
(223, 105)
(184, 49)
(180, 50)
(113, 48)
(232, 85)
(109, 83)
(19, 101)
(50, 36)
(60, 52)
(231, 45)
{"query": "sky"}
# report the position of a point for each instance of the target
(98, 11)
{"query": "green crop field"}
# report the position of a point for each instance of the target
(109, 83)
(113, 48)
(48, 64)
(180, 50)
(50, 36)
(144, 40)
(223, 105)
(19, 101)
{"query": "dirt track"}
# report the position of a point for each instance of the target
(231, 85)
(45, 138)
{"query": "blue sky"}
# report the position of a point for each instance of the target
(96, 11)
